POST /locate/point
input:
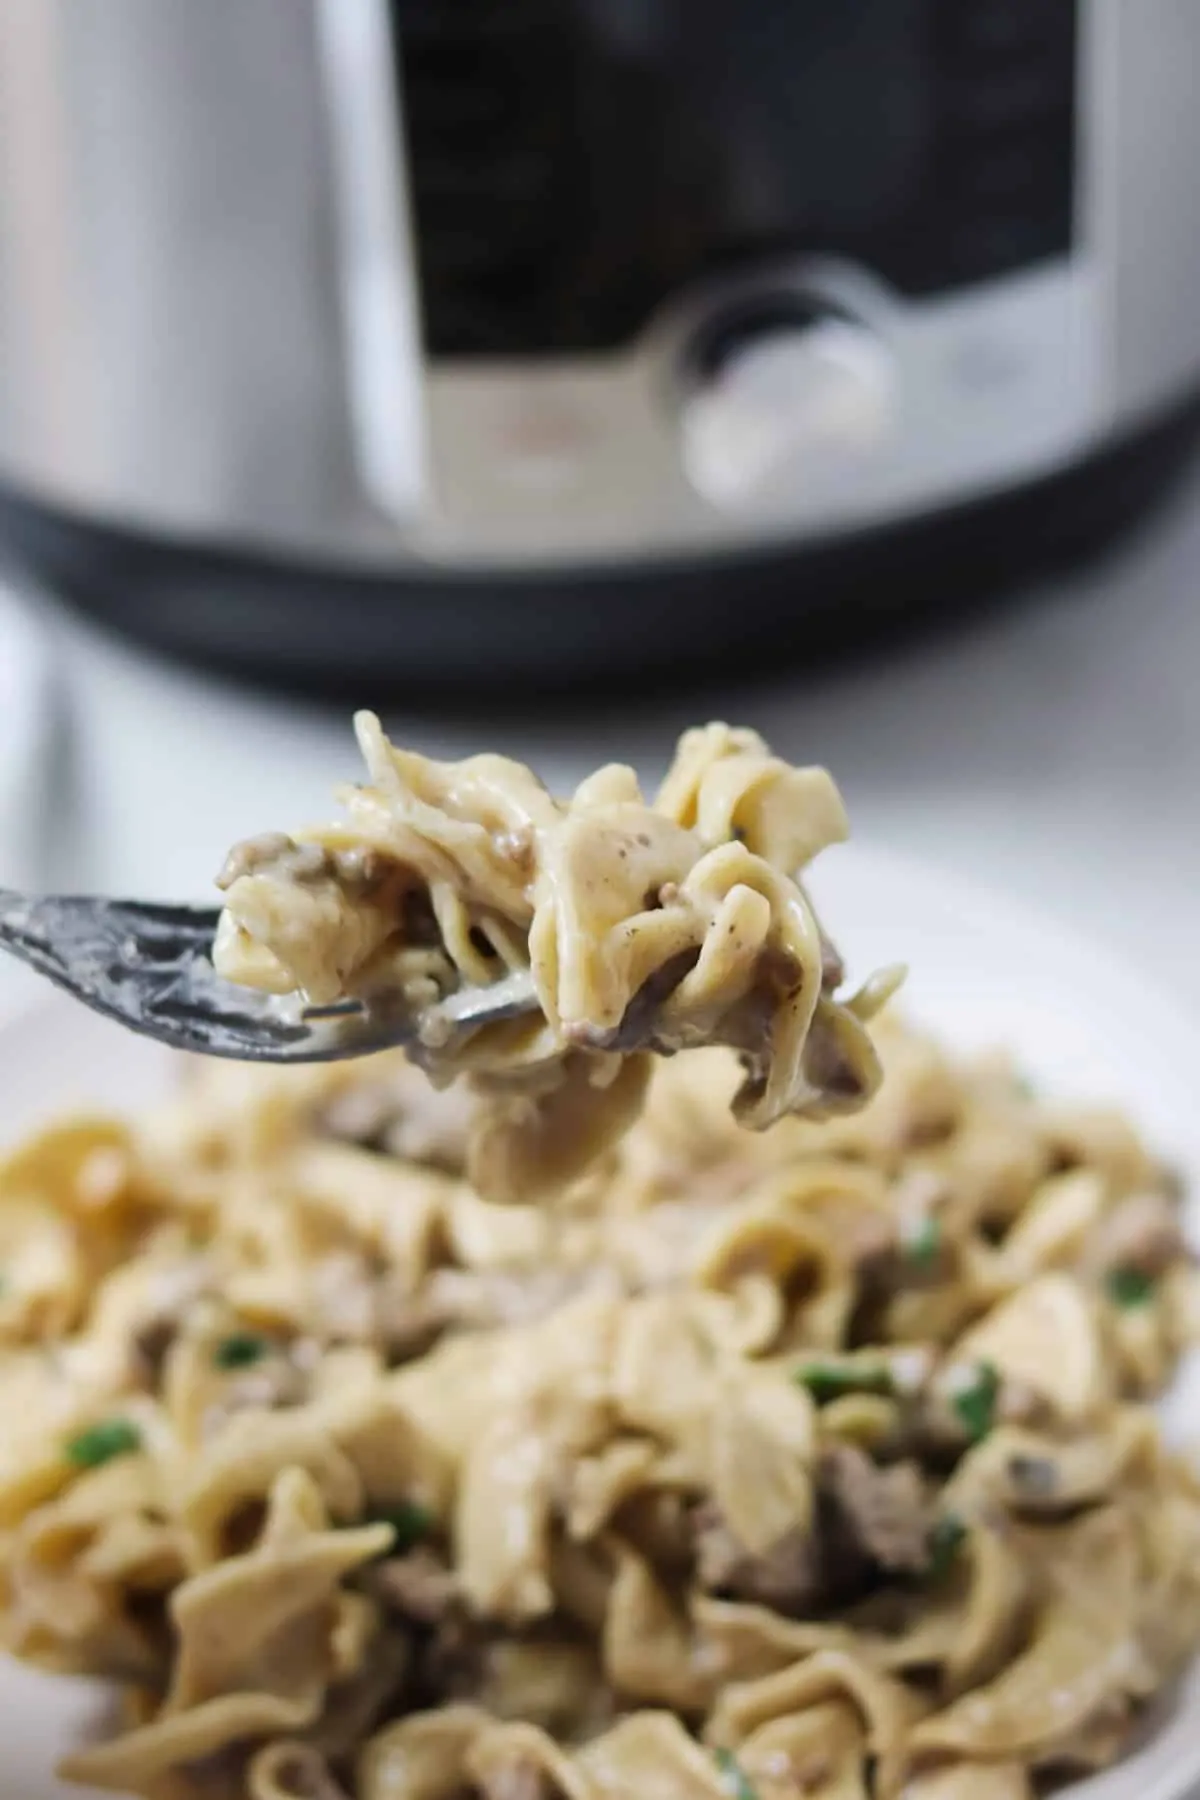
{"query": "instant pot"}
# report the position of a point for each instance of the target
(444, 338)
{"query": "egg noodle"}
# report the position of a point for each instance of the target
(813, 1464)
(644, 927)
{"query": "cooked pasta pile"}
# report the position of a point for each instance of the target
(808, 1465)
(644, 927)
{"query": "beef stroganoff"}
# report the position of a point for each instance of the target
(646, 927)
(812, 1464)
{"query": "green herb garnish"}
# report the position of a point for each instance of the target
(946, 1538)
(240, 1350)
(1129, 1288)
(833, 1381)
(923, 1245)
(734, 1779)
(100, 1443)
(409, 1522)
(975, 1402)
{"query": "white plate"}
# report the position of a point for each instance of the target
(983, 971)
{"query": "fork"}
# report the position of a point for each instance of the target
(149, 967)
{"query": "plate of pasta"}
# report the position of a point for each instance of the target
(842, 1460)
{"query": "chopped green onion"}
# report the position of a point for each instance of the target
(239, 1350)
(1129, 1288)
(100, 1443)
(946, 1538)
(409, 1522)
(834, 1381)
(975, 1403)
(734, 1779)
(923, 1245)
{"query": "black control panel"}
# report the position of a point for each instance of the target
(1003, 169)
(573, 164)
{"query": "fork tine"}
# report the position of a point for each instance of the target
(185, 1020)
(201, 1011)
(149, 968)
(162, 933)
(59, 926)
(168, 915)
(146, 966)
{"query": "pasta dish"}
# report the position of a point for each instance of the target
(811, 1464)
(642, 927)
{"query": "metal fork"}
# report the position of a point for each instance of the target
(149, 967)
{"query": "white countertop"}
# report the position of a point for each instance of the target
(1051, 748)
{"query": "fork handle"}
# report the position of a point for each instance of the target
(47, 934)
(14, 908)
(25, 927)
